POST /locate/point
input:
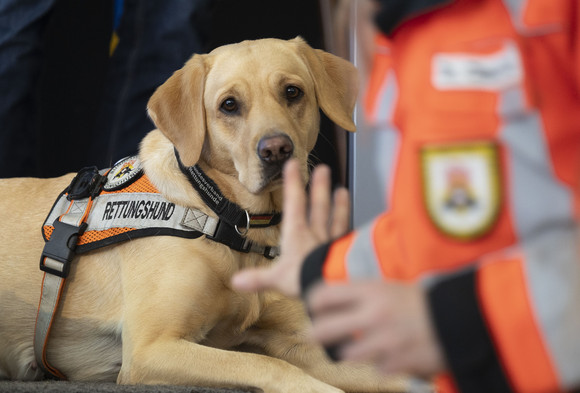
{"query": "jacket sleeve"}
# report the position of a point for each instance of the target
(512, 321)
(508, 322)
(353, 256)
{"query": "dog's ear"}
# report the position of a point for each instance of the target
(335, 81)
(177, 109)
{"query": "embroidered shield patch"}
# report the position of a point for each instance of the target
(124, 173)
(461, 188)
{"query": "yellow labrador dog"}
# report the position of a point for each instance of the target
(160, 309)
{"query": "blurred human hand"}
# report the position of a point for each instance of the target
(384, 323)
(303, 229)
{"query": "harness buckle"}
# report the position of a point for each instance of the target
(228, 235)
(87, 183)
(61, 247)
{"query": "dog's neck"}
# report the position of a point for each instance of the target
(162, 167)
(223, 207)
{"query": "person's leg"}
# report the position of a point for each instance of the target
(21, 26)
(156, 38)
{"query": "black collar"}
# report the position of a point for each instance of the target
(226, 210)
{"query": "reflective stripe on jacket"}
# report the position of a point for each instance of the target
(484, 96)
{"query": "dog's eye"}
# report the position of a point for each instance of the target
(229, 105)
(293, 93)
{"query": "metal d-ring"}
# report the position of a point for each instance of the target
(245, 232)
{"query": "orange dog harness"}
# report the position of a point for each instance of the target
(101, 208)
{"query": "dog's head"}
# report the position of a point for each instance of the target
(246, 108)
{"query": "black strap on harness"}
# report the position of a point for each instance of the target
(231, 237)
(227, 210)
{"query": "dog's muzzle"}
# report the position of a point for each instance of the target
(273, 152)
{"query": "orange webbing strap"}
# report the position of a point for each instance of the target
(56, 267)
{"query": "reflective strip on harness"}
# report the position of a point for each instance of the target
(56, 266)
(139, 210)
(128, 214)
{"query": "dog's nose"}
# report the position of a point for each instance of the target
(275, 149)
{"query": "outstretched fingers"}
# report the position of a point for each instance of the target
(294, 199)
(340, 220)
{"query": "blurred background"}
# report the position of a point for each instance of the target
(75, 76)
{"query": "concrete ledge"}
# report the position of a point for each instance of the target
(94, 387)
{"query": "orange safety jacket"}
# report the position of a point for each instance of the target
(483, 100)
